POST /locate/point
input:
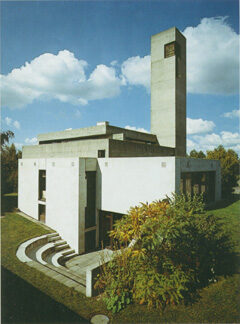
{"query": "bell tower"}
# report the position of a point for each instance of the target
(168, 89)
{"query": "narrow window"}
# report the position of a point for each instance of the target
(42, 185)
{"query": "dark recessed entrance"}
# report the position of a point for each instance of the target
(106, 222)
(199, 183)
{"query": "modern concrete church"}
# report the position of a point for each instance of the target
(80, 181)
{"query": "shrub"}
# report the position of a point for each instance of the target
(178, 250)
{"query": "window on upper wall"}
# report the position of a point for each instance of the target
(101, 153)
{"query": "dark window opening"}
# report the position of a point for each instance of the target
(90, 210)
(199, 183)
(172, 49)
(42, 213)
(42, 185)
(101, 153)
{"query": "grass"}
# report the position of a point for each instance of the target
(218, 303)
(15, 230)
(8, 202)
(229, 216)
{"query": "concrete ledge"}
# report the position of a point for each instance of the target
(43, 251)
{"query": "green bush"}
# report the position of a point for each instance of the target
(178, 250)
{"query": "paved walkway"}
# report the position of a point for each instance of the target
(81, 263)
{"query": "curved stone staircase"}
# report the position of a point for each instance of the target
(48, 254)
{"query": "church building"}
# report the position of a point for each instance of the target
(80, 181)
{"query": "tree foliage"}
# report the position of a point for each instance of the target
(5, 137)
(9, 164)
(178, 250)
(229, 167)
(198, 155)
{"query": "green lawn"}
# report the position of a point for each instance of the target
(218, 303)
(15, 230)
(9, 202)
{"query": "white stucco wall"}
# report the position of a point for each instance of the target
(126, 182)
(28, 185)
(62, 198)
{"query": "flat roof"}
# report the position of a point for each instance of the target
(101, 130)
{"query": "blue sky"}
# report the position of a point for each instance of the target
(70, 64)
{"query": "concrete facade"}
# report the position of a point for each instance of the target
(120, 184)
(66, 198)
(77, 181)
(87, 142)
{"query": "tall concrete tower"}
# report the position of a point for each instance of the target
(168, 89)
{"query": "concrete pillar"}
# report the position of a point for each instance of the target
(168, 89)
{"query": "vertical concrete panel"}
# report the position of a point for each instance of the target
(177, 175)
(28, 186)
(62, 198)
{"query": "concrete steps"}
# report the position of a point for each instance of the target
(54, 238)
(61, 247)
(48, 253)
(60, 242)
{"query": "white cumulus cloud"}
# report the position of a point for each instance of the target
(136, 71)
(210, 141)
(138, 129)
(212, 57)
(232, 114)
(61, 77)
(197, 126)
(13, 123)
(212, 68)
